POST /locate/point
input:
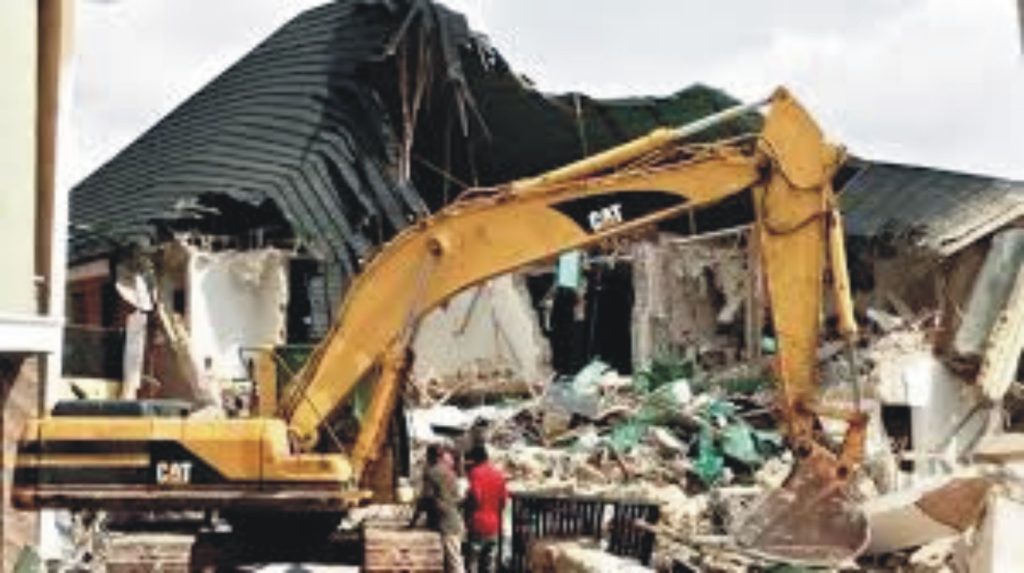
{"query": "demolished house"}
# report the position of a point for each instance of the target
(327, 139)
(233, 226)
(943, 250)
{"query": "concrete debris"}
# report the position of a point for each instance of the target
(154, 552)
(683, 292)
(937, 555)
(436, 423)
(883, 320)
(992, 288)
(485, 342)
(476, 383)
(577, 556)
(997, 547)
(667, 442)
(134, 354)
(237, 301)
(1005, 344)
(917, 516)
(942, 420)
(1000, 448)
(642, 437)
(701, 441)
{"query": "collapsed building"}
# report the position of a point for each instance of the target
(236, 223)
(942, 250)
(338, 131)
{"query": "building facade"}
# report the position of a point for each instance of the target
(34, 49)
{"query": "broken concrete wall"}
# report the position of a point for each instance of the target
(487, 331)
(236, 300)
(1000, 365)
(163, 364)
(689, 295)
(907, 373)
(988, 296)
(954, 283)
(903, 284)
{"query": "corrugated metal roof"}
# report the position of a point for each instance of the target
(307, 121)
(273, 126)
(938, 211)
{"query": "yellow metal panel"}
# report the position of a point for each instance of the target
(792, 208)
(166, 429)
(266, 382)
(97, 429)
(233, 447)
(280, 464)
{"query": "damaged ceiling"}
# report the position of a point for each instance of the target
(309, 128)
(937, 211)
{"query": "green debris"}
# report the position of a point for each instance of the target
(28, 561)
(787, 568)
(737, 442)
(709, 463)
(627, 435)
(664, 370)
(665, 404)
(724, 435)
(719, 410)
(769, 442)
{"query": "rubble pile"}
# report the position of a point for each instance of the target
(667, 435)
(705, 446)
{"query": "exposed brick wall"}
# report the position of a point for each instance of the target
(19, 392)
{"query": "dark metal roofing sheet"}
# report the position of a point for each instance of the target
(935, 210)
(265, 129)
(307, 121)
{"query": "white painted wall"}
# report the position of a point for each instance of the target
(498, 332)
(235, 300)
(18, 107)
(938, 399)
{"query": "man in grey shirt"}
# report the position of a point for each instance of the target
(439, 500)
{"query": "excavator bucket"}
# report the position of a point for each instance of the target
(812, 519)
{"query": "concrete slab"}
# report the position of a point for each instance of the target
(997, 547)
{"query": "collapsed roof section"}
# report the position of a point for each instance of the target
(347, 124)
(937, 212)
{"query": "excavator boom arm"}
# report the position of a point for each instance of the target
(788, 168)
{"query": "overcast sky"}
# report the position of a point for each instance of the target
(932, 82)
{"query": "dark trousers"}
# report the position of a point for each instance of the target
(482, 554)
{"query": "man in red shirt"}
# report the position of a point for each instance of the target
(485, 502)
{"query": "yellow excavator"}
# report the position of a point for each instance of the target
(143, 458)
